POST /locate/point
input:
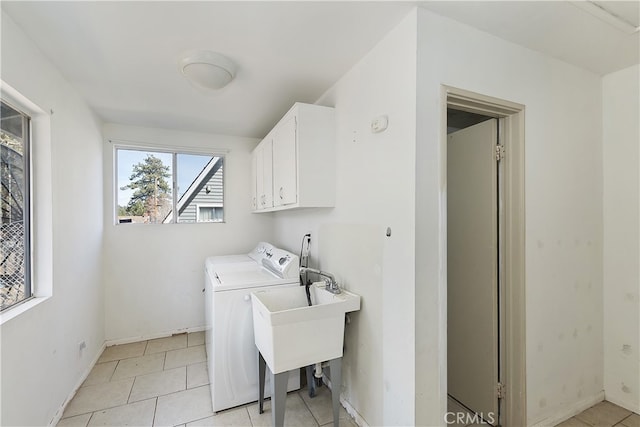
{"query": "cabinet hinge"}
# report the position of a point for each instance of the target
(499, 152)
(500, 390)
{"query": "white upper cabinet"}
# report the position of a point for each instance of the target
(285, 163)
(263, 173)
(294, 165)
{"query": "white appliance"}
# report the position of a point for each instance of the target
(232, 356)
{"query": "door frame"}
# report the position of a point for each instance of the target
(512, 237)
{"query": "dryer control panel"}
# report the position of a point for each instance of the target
(282, 263)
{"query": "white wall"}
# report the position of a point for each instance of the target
(41, 362)
(376, 183)
(621, 160)
(563, 180)
(154, 274)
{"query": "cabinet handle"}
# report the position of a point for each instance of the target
(281, 190)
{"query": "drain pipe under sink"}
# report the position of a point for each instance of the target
(304, 281)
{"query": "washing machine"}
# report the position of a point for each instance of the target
(255, 256)
(232, 357)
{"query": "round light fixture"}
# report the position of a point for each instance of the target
(207, 70)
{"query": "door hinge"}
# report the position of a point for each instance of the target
(499, 152)
(501, 390)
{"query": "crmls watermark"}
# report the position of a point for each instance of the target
(465, 418)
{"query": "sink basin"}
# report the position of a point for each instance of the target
(290, 334)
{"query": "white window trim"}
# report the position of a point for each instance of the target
(207, 205)
(41, 216)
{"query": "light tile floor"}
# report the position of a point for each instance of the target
(164, 382)
(604, 414)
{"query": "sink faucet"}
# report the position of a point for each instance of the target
(329, 279)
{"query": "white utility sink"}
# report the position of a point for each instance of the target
(291, 334)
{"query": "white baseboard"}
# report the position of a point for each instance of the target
(630, 406)
(571, 410)
(357, 418)
(58, 415)
(129, 340)
(56, 418)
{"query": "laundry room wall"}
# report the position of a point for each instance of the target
(154, 273)
(376, 186)
(621, 160)
(41, 361)
(563, 196)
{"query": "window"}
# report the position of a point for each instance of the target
(15, 242)
(209, 213)
(163, 187)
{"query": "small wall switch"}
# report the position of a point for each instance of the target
(379, 124)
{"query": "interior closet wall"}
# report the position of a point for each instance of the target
(621, 168)
(563, 196)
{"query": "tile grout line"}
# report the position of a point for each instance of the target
(308, 408)
(186, 378)
(246, 409)
(114, 371)
(155, 410)
(626, 418)
(131, 389)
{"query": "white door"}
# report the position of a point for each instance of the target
(267, 173)
(264, 174)
(285, 191)
(254, 179)
(472, 268)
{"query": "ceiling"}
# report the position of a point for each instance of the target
(123, 56)
(561, 29)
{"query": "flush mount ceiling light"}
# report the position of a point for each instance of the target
(207, 70)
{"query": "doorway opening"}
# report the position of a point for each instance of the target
(485, 260)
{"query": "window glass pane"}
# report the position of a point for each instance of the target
(210, 214)
(206, 214)
(14, 206)
(199, 183)
(144, 186)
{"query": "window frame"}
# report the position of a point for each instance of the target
(209, 205)
(41, 209)
(27, 215)
(174, 151)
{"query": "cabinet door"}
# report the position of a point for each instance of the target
(267, 173)
(263, 158)
(285, 175)
(259, 176)
(254, 179)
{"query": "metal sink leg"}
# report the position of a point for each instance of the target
(278, 397)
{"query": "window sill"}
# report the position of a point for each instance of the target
(21, 308)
